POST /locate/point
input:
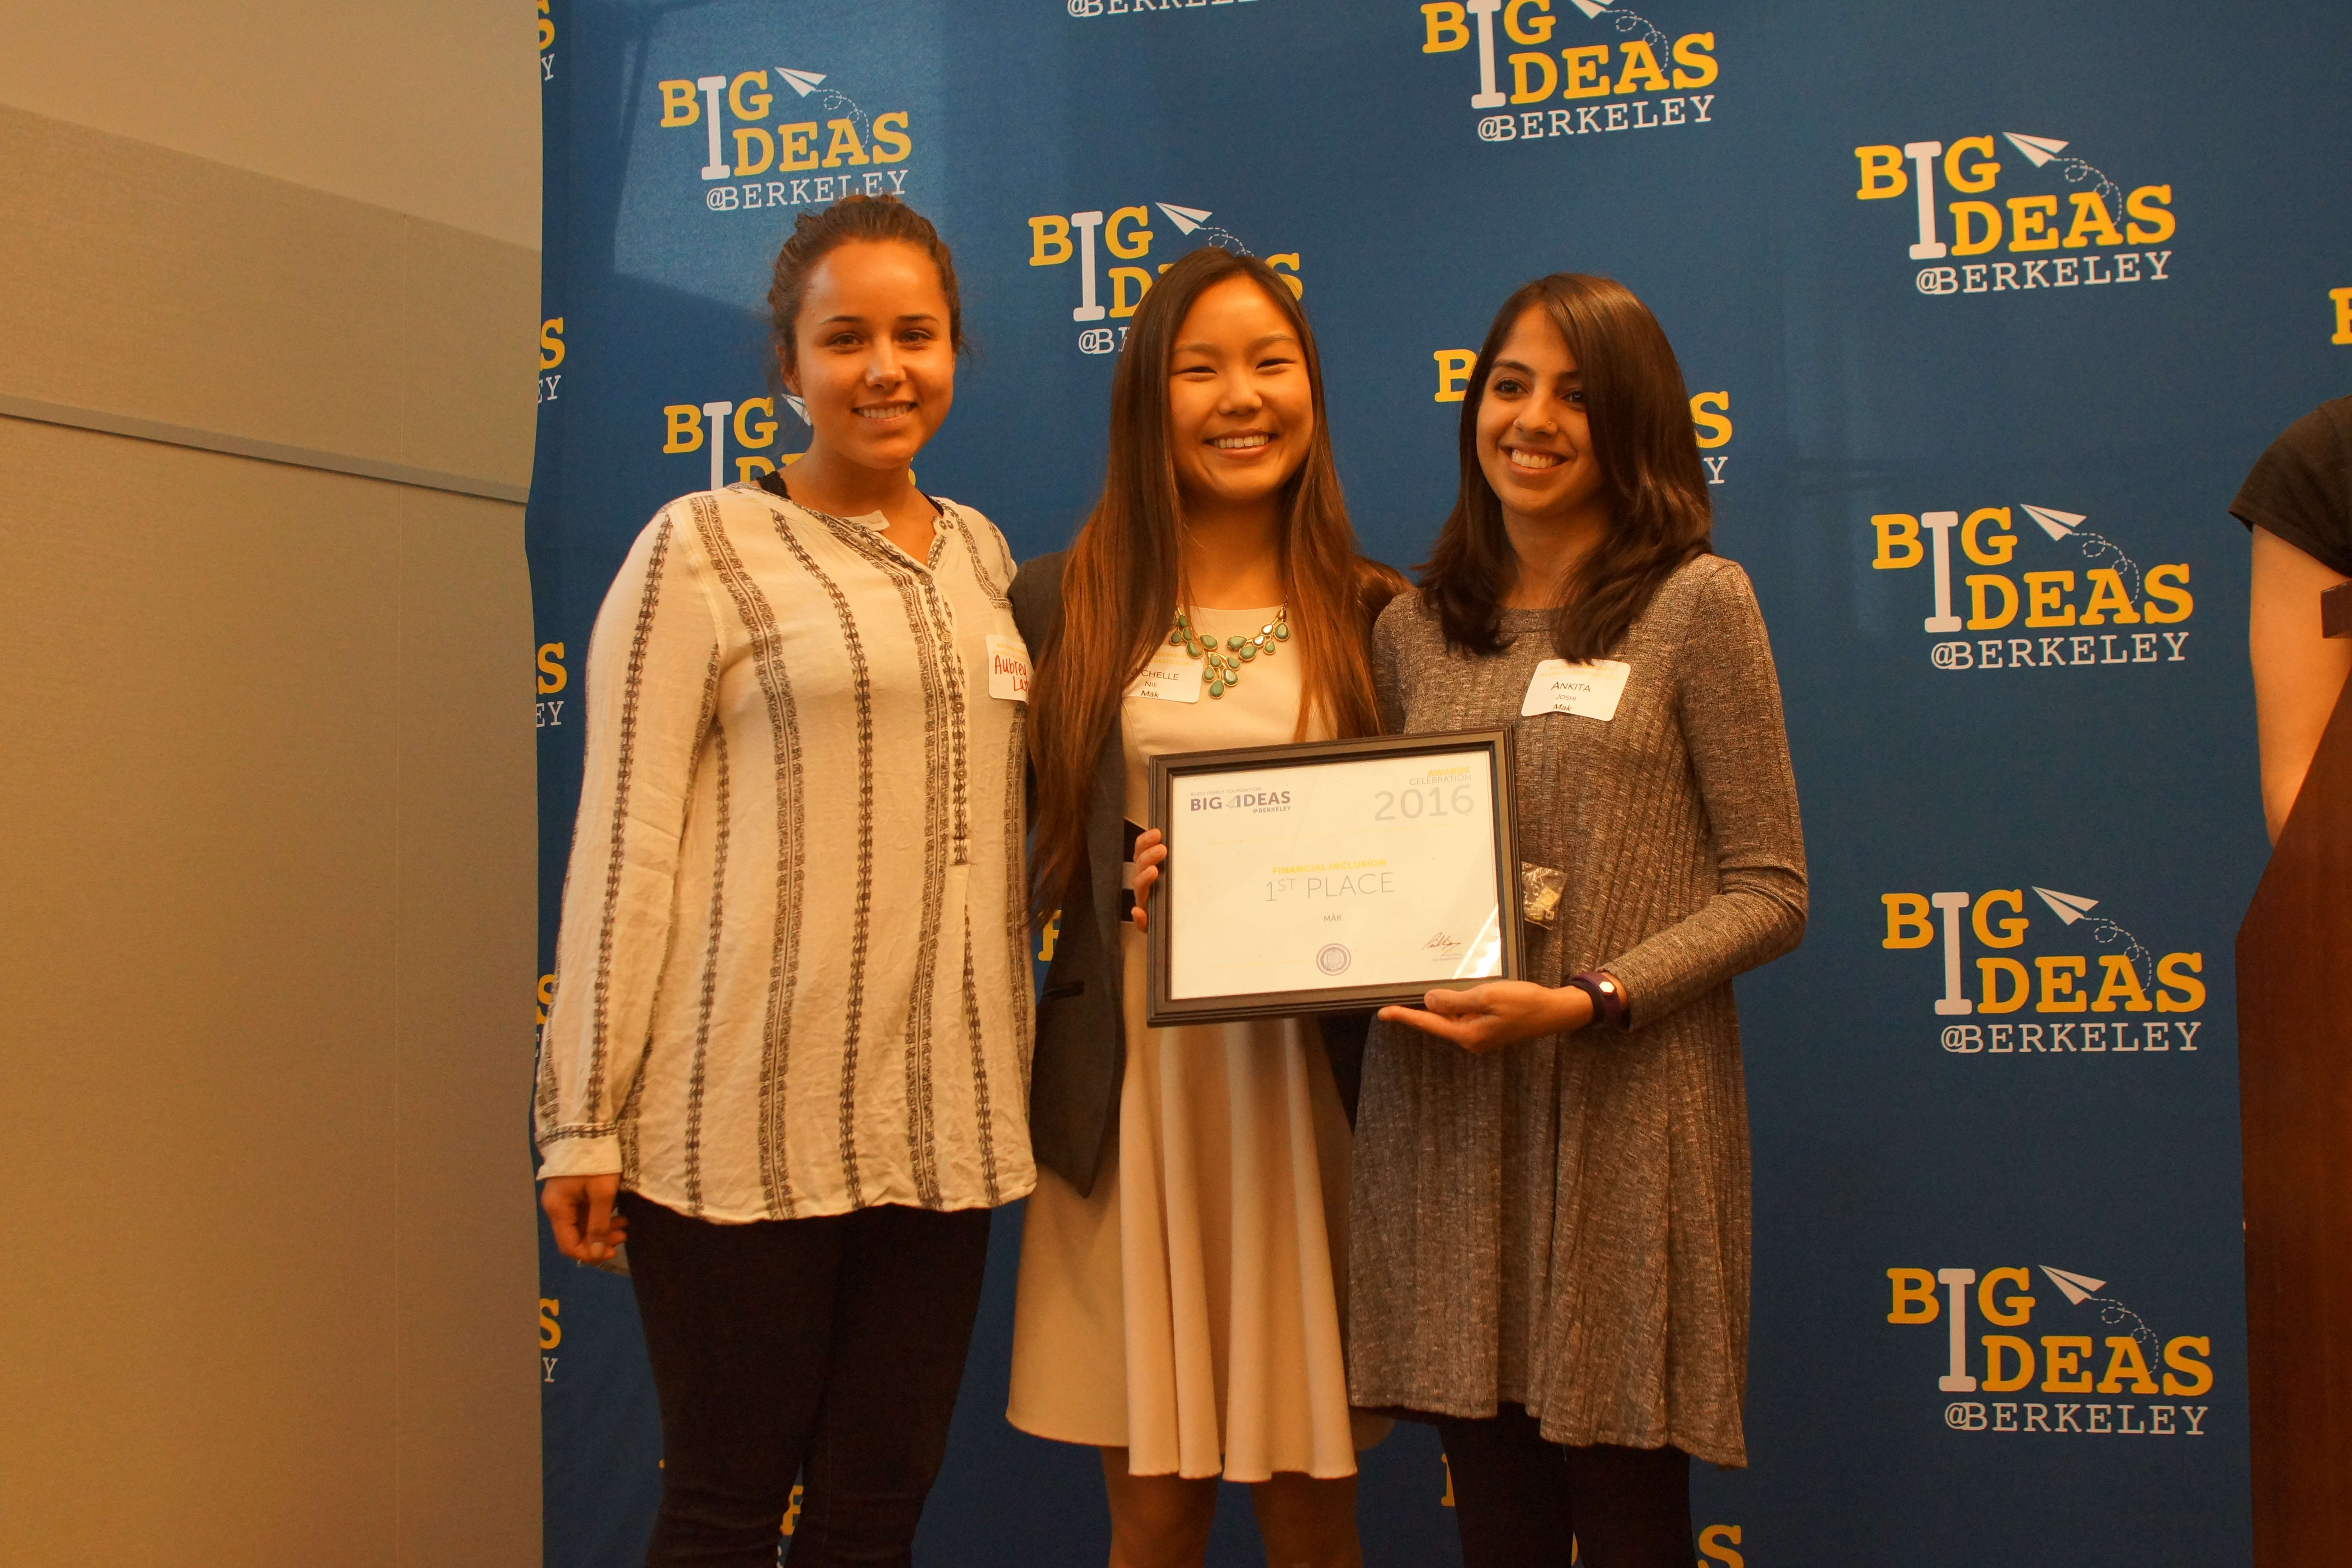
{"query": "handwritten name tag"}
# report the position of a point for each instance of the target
(1008, 670)
(1173, 676)
(1589, 691)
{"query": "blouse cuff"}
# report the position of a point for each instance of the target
(581, 1157)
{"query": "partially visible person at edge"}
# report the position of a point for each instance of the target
(788, 1053)
(1551, 1222)
(2297, 505)
(1182, 1284)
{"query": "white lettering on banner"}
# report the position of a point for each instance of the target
(2080, 1420)
(2066, 272)
(1587, 119)
(2085, 1037)
(1170, 676)
(547, 384)
(1085, 8)
(551, 714)
(2066, 652)
(1589, 691)
(1008, 669)
(818, 190)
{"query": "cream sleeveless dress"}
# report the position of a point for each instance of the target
(1189, 1308)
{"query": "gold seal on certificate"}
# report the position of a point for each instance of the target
(1331, 876)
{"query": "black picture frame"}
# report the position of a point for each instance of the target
(1162, 1011)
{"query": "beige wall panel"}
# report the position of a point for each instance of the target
(265, 967)
(142, 282)
(429, 107)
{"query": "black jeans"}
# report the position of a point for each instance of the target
(828, 1349)
(1521, 1502)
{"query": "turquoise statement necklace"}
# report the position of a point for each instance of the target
(1222, 666)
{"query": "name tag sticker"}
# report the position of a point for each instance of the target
(1173, 676)
(1008, 670)
(1589, 691)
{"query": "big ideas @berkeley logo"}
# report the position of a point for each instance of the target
(2110, 1350)
(2131, 611)
(2084, 235)
(2081, 1004)
(1645, 82)
(745, 136)
(1128, 235)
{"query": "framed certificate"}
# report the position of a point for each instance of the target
(1331, 876)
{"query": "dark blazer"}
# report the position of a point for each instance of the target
(1081, 1054)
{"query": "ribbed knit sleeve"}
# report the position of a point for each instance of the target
(1728, 696)
(651, 664)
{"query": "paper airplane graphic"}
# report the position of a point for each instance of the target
(2056, 525)
(2038, 149)
(798, 407)
(2067, 906)
(1186, 219)
(806, 82)
(2077, 1287)
(1591, 7)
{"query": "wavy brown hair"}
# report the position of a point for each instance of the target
(1124, 577)
(1641, 431)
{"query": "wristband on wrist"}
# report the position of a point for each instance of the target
(1608, 996)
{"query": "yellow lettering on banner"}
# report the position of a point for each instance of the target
(1989, 971)
(748, 469)
(2343, 298)
(1531, 32)
(766, 428)
(680, 106)
(2120, 987)
(1714, 428)
(2176, 1357)
(745, 135)
(2012, 929)
(1588, 71)
(1120, 277)
(1716, 1544)
(756, 105)
(2028, 219)
(1047, 935)
(1980, 617)
(2058, 993)
(891, 145)
(2003, 545)
(2179, 971)
(1128, 246)
(1050, 241)
(2107, 597)
(1896, 531)
(1999, 1350)
(1454, 367)
(2010, 1310)
(1906, 920)
(1978, 176)
(2169, 584)
(844, 147)
(1448, 27)
(2124, 1361)
(1975, 228)
(546, 28)
(2091, 222)
(2062, 1354)
(1692, 50)
(1882, 173)
(793, 146)
(551, 342)
(1642, 72)
(685, 427)
(546, 991)
(2044, 598)
(1520, 91)
(553, 677)
(1285, 264)
(2152, 206)
(550, 1332)
(1915, 1296)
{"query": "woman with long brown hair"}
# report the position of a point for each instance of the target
(1181, 1278)
(1551, 1203)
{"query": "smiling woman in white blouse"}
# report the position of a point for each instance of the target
(788, 1053)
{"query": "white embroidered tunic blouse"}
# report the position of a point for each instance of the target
(791, 977)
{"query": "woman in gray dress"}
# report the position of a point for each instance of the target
(1549, 1210)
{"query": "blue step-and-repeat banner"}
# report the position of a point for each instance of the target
(1985, 309)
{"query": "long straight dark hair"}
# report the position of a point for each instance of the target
(1641, 431)
(1122, 579)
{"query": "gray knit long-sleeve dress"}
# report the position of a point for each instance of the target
(1563, 1223)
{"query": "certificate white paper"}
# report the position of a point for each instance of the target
(1370, 871)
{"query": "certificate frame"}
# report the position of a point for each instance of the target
(1162, 1009)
